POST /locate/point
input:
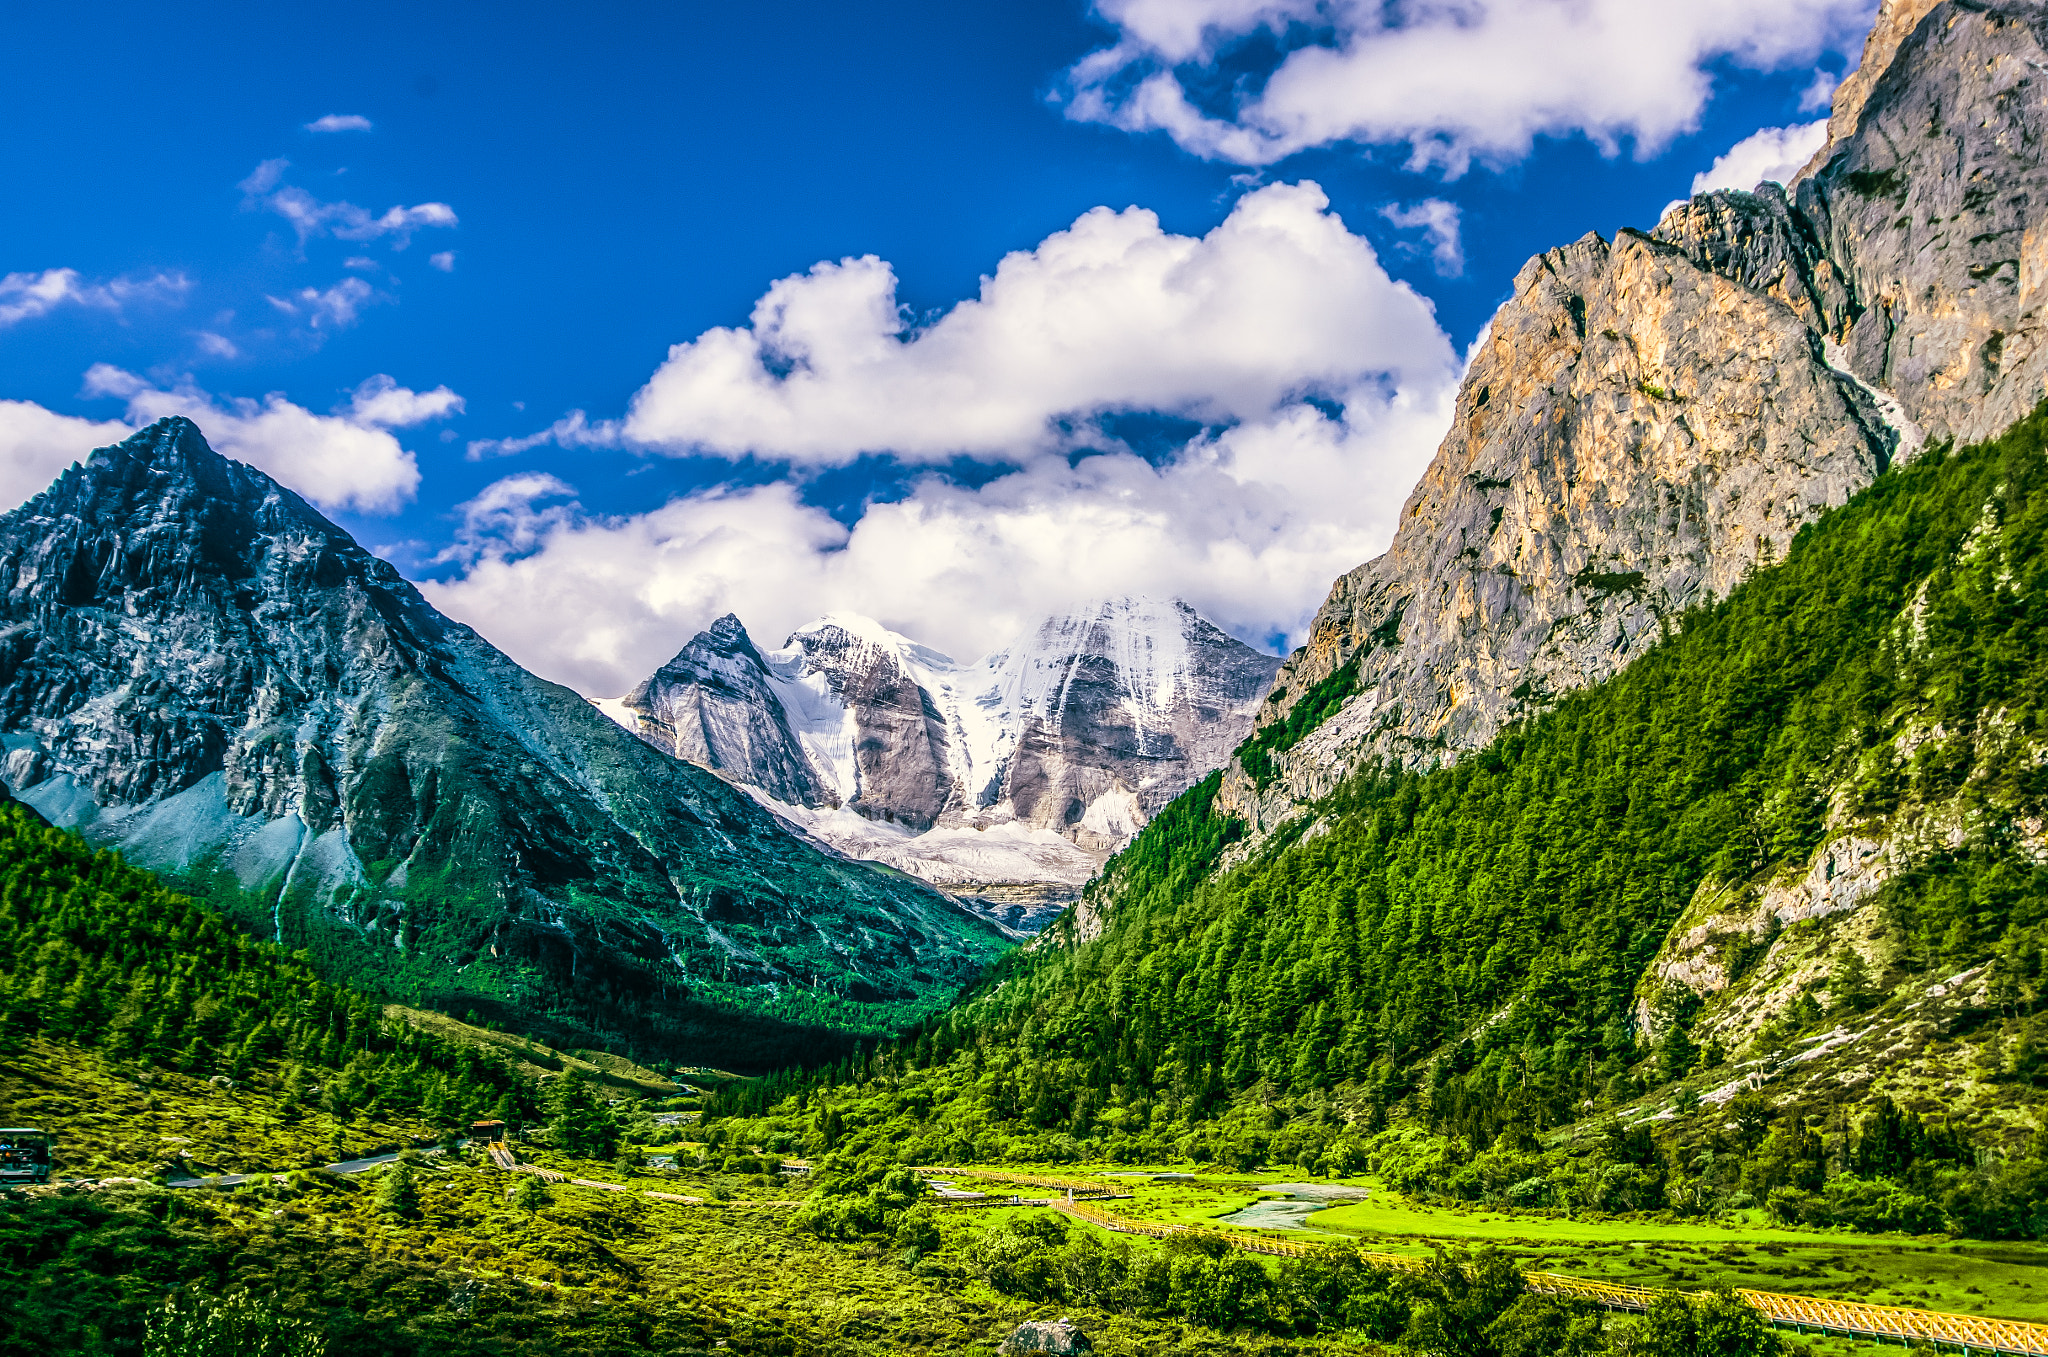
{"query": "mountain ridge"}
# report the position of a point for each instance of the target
(1649, 418)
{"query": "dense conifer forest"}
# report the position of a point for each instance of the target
(1433, 969)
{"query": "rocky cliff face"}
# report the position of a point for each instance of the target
(1015, 773)
(1933, 207)
(199, 669)
(1647, 419)
(714, 705)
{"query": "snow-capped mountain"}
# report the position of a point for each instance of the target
(1012, 776)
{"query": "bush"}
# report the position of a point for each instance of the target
(235, 1325)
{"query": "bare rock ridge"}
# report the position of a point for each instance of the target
(1008, 778)
(714, 705)
(199, 669)
(1650, 418)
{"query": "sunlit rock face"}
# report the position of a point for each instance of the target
(199, 669)
(1649, 419)
(1009, 778)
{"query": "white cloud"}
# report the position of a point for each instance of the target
(26, 296)
(382, 403)
(37, 444)
(509, 519)
(1438, 222)
(1821, 92)
(444, 261)
(1249, 328)
(1775, 153)
(310, 217)
(1112, 314)
(264, 177)
(1250, 528)
(1451, 79)
(216, 346)
(345, 460)
(336, 307)
(573, 430)
(339, 122)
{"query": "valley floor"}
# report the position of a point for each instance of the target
(469, 1270)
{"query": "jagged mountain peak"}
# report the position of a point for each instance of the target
(1064, 741)
(1652, 418)
(854, 633)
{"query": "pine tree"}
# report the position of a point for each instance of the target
(530, 1196)
(397, 1194)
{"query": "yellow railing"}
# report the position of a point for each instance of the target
(1970, 1332)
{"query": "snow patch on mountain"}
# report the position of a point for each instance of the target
(1019, 771)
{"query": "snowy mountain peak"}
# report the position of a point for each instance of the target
(1082, 728)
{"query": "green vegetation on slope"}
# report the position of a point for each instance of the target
(153, 1040)
(1447, 966)
(1315, 706)
(99, 954)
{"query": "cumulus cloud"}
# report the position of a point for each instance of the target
(1250, 527)
(1438, 222)
(345, 460)
(310, 217)
(26, 296)
(444, 261)
(1321, 385)
(382, 403)
(339, 122)
(1112, 314)
(1775, 153)
(37, 444)
(1450, 79)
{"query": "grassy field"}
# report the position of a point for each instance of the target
(2006, 1280)
(110, 1119)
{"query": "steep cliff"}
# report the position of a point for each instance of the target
(714, 705)
(199, 669)
(1648, 420)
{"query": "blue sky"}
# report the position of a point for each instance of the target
(549, 200)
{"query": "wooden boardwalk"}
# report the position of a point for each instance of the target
(1970, 1333)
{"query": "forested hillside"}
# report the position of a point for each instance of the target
(98, 954)
(1460, 954)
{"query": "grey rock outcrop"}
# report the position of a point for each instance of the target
(890, 756)
(1117, 709)
(1934, 209)
(1045, 1338)
(199, 669)
(1648, 420)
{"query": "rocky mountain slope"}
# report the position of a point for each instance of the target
(1720, 519)
(1650, 418)
(200, 670)
(1007, 779)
